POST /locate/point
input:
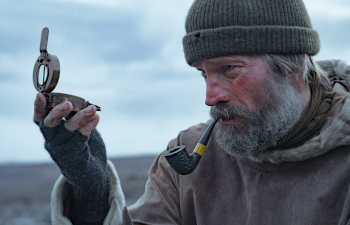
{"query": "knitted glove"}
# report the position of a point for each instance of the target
(83, 163)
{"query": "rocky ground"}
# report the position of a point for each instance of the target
(25, 189)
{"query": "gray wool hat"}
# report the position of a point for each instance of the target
(228, 27)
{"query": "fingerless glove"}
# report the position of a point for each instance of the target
(83, 162)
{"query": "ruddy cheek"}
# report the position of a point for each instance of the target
(245, 90)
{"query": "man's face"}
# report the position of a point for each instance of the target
(235, 79)
(256, 106)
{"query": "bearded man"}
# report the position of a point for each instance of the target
(280, 152)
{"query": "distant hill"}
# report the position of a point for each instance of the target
(28, 187)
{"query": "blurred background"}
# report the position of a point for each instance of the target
(125, 56)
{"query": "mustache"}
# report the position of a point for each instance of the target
(222, 110)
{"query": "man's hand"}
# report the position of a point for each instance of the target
(84, 121)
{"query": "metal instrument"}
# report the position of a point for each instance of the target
(51, 74)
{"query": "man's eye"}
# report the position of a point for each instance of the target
(229, 67)
(231, 71)
(202, 72)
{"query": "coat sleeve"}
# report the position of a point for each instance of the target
(117, 214)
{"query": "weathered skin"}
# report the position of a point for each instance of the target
(238, 80)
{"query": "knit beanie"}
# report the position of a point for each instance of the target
(228, 27)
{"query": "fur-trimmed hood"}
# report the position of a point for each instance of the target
(336, 131)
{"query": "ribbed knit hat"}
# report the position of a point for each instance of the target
(228, 27)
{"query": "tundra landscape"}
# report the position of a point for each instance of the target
(25, 189)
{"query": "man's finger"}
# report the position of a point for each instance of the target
(89, 125)
(39, 107)
(57, 113)
(80, 118)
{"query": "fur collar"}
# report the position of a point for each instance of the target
(335, 135)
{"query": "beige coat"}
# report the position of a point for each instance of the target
(305, 185)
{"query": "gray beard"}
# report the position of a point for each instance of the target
(257, 130)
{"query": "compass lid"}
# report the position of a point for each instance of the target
(49, 64)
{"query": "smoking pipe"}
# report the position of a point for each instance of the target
(184, 163)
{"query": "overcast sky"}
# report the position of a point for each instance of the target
(125, 56)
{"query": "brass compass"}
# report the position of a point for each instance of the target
(51, 74)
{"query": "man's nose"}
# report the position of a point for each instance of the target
(215, 91)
